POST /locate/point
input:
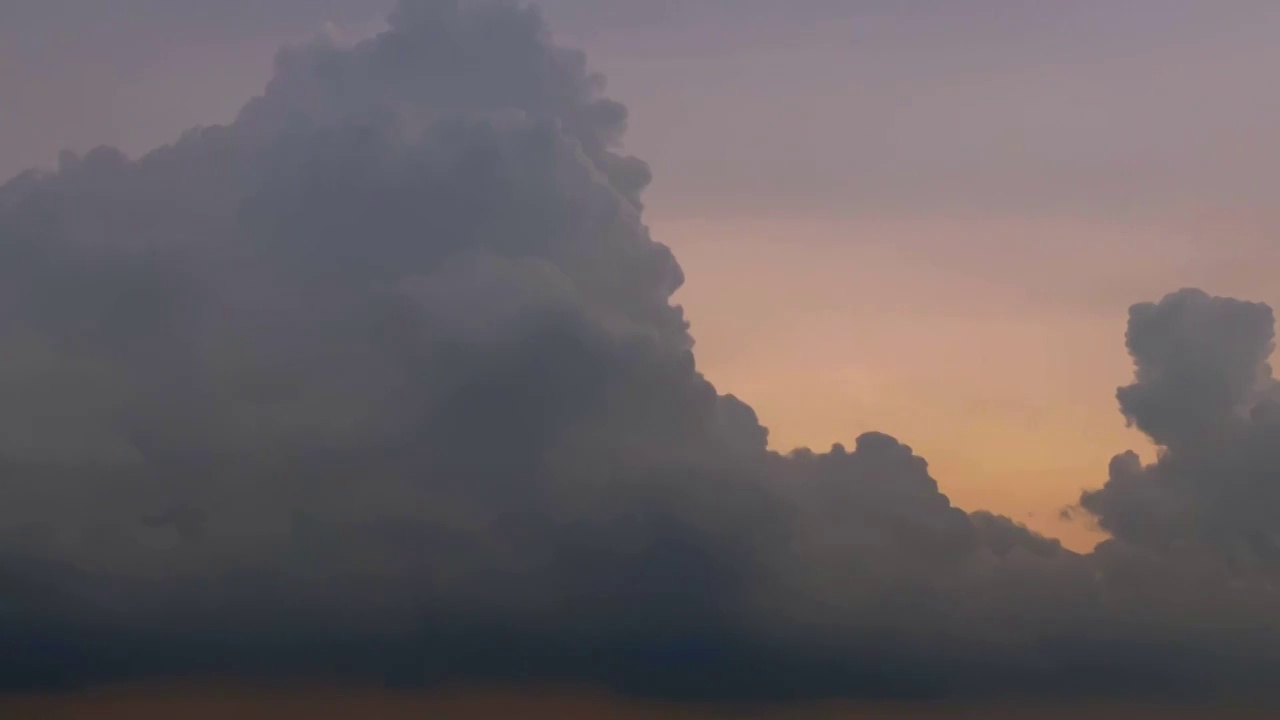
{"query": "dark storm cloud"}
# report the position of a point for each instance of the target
(383, 378)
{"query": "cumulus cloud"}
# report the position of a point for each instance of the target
(1203, 391)
(384, 378)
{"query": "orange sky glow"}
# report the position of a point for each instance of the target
(973, 346)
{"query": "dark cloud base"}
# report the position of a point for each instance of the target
(322, 702)
(383, 381)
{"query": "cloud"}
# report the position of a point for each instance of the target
(383, 379)
(1203, 391)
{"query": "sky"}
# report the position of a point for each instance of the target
(915, 229)
(1015, 172)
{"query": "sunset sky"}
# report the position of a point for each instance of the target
(924, 219)
(916, 217)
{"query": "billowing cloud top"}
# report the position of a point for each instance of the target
(383, 379)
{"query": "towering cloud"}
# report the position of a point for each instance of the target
(383, 378)
(1204, 392)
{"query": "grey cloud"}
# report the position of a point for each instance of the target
(392, 351)
(1204, 392)
(1201, 365)
(383, 379)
